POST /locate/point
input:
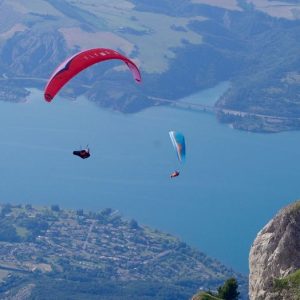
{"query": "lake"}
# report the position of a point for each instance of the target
(232, 183)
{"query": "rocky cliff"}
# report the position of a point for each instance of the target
(275, 258)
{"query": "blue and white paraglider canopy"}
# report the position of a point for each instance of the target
(178, 142)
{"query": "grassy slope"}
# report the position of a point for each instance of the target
(205, 296)
(150, 28)
(290, 283)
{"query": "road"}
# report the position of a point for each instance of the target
(186, 105)
(213, 109)
(88, 235)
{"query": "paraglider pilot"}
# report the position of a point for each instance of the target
(85, 153)
(175, 174)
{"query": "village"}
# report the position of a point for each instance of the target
(54, 241)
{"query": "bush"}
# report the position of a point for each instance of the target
(229, 291)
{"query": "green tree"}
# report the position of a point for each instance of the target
(79, 212)
(6, 209)
(8, 233)
(133, 224)
(55, 207)
(229, 291)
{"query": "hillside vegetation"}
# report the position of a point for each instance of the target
(289, 284)
(205, 296)
(198, 44)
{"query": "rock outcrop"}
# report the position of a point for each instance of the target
(275, 254)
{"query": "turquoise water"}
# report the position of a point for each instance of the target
(231, 185)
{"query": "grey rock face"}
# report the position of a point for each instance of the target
(275, 253)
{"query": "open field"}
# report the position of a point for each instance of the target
(279, 9)
(144, 29)
(227, 4)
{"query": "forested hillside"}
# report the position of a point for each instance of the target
(180, 46)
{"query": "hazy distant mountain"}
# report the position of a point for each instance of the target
(49, 253)
(181, 47)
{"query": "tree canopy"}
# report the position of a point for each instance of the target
(229, 291)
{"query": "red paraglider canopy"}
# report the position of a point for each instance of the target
(80, 61)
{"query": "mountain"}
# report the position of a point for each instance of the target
(181, 47)
(50, 253)
(275, 258)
